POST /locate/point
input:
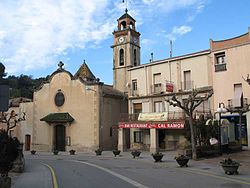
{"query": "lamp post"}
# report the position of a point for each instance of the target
(221, 109)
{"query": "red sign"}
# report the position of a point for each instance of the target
(164, 125)
(169, 87)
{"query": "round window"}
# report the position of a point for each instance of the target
(59, 99)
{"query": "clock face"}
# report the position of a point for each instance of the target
(121, 39)
(135, 40)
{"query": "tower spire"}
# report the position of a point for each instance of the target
(125, 1)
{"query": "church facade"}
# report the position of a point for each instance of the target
(72, 112)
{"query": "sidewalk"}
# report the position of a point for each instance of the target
(210, 166)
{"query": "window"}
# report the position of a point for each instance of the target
(138, 137)
(121, 57)
(134, 87)
(158, 106)
(187, 80)
(157, 83)
(135, 60)
(237, 95)
(220, 62)
(137, 108)
(110, 132)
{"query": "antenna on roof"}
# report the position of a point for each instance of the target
(170, 54)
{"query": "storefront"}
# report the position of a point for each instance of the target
(151, 135)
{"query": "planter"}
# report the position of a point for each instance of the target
(33, 152)
(230, 166)
(116, 152)
(55, 152)
(5, 182)
(135, 153)
(72, 152)
(98, 152)
(157, 157)
(182, 161)
(230, 169)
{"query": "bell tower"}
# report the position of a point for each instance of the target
(126, 51)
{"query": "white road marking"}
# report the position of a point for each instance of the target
(134, 183)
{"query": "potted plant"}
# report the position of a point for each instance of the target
(135, 153)
(230, 166)
(72, 152)
(55, 152)
(98, 151)
(8, 154)
(116, 152)
(157, 156)
(33, 152)
(182, 160)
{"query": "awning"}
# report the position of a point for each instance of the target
(58, 118)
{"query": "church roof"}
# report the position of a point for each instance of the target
(57, 117)
(85, 72)
(126, 15)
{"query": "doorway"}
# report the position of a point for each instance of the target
(161, 135)
(27, 142)
(60, 137)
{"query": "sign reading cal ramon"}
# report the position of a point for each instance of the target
(163, 125)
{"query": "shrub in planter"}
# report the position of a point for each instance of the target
(230, 166)
(72, 152)
(116, 152)
(55, 152)
(182, 160)
(157, 156)
(135, 153)
(98, 151)
(8, 154)
(33, 152)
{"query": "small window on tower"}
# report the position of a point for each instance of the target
(121, 57)
(135, 58)
(123, 25)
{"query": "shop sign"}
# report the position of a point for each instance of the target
(169, 87)
(156, 116)
(165, 125)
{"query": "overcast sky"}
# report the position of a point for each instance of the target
(36, 34)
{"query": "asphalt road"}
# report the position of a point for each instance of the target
(94, 172)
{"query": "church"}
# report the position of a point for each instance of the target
(71, 112)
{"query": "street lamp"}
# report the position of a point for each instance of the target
(221, 109)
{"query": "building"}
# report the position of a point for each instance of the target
(72, 112)
(230, 65)
(151, 123)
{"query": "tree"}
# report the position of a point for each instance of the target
(188, 106)
(11, 119)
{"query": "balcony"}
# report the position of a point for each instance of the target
(238, 103)
(157, 88)
(134, 93)
(220, 67)
(187, 85)
(134, 117)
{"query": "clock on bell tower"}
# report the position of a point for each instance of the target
(126, 50)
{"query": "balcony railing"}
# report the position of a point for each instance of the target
(187, 85)
(135, 92)
(238, 103)
(157, 88)
(220, 67)
(134, 117)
